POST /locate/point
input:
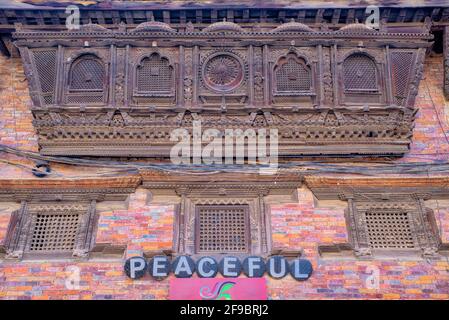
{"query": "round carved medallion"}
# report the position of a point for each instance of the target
(223, 72)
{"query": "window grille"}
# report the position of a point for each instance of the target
(54, 232)
(87, 74)
(155, 75)
(401, 63)
(292, 75)
(45, 62)
(222, 229)
(389, 229)
(360, 73)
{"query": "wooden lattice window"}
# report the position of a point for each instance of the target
(222, 229)
(87, 80)
(401, 64)
(389, 229)
(292, 75)
(45, 61)
(87, 74)
(360, 73)
(155, 76)
(51, 229)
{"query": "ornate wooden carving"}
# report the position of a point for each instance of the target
(349, 91)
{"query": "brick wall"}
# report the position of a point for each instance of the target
(304, 224)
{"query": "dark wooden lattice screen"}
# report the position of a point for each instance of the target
(87, 74)
(360, 73)
(155, 76)
(222, 229)
(389, 229)
(292, 75)
(45, 62)
(401, 64)
(54, 232)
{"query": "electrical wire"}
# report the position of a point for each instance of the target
(294, 166)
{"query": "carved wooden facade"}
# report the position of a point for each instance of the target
(98, 92)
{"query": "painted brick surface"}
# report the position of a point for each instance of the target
(143, 226)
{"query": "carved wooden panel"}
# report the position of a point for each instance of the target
(223, 77)
(153, 74)
(362, 76)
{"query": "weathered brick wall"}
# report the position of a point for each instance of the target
(304, 224)
(430, 136)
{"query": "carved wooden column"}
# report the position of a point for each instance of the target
(446, 62)
(182, 192)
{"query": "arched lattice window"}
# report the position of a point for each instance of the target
(87, 74)
(155, 76)
(292, 75)
(360, 73)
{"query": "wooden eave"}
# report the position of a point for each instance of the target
(236, 180)
(61, 189)
(336, 187)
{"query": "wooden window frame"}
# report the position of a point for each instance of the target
(259, 233)
(247, 228)
(376, 75)
(422, 224)
(300, 61)
(21, 229)
(161, 94)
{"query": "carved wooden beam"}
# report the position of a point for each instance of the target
(385, 188)
(239, 182)
(68, 189)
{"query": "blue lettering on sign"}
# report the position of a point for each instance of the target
(183, 266)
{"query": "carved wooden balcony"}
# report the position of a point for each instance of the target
(101, 92)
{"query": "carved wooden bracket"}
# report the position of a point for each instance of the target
(107, 250)
(336, 250)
